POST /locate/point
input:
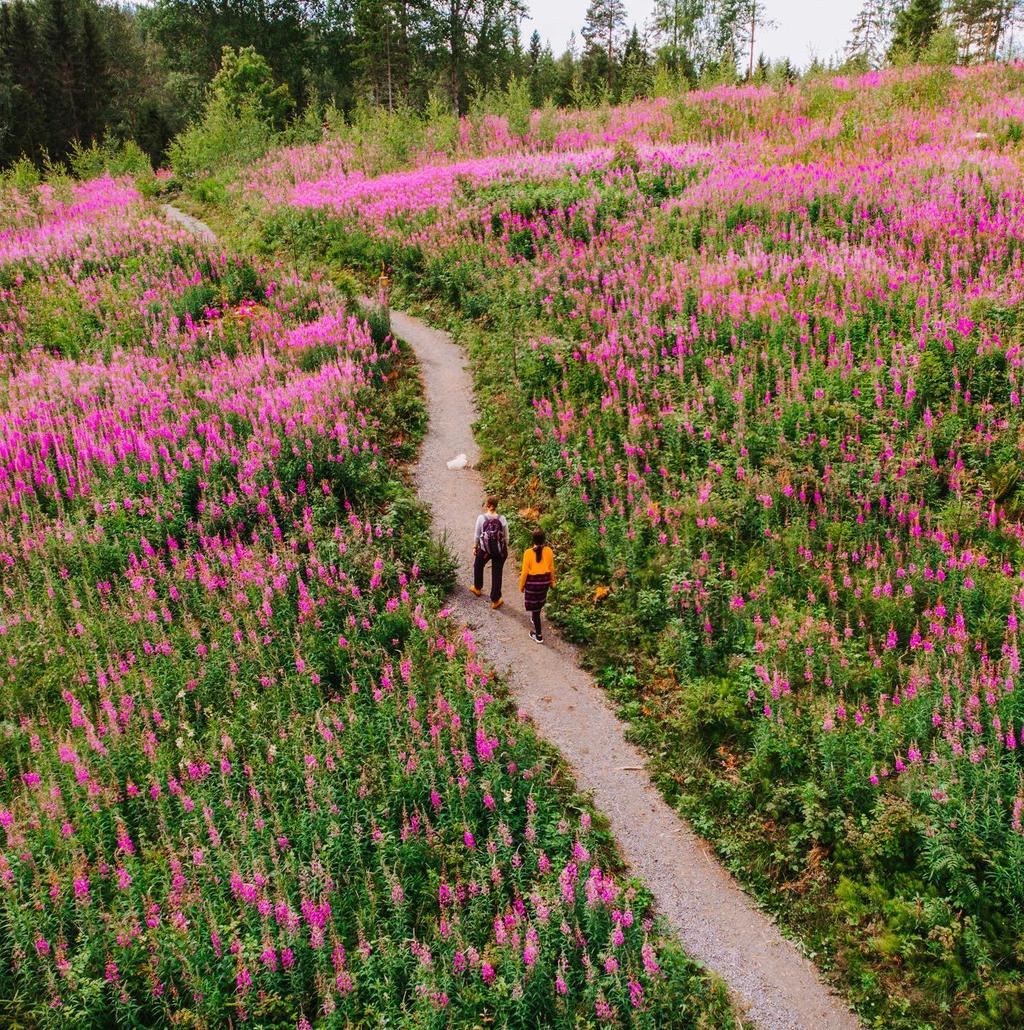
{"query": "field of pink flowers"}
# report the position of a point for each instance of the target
(764, 350)
(249, 772)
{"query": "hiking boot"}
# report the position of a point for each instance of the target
(475, 591)
(497, 604)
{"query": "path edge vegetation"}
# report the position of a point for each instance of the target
(850, 929)
(243, 237)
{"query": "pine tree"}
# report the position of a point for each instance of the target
(675, 25)
(602, 33)
(6, 90)
(496, 54)
(871, 32)
(981, 25)
(479, 44)
(751, 18)
(381, 48)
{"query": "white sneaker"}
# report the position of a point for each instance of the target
(533, 636)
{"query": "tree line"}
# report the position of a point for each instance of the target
(82, 70)
(966, 31)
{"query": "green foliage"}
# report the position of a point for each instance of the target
(22, 176)
(513, 103)
(915, 26)
(221, 140)
(907, 880)
(245, 83)
(73, 72)
(288, 787)
(378, 318)
(942, 48)
(110, 157)
(244, 113)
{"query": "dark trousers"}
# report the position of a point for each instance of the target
(536, 623)
(497, 566)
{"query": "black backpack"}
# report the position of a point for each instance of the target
(493, 537)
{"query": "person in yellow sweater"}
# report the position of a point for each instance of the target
(537, 577)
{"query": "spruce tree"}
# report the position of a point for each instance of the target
(635, 68)
(602, 32)
(91, 85)
(27, 131)
(533, 56)
(61, 44)
(914, 27)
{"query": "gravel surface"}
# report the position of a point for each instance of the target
(197, 228)
(774, 986)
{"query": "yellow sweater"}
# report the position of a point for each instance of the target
(532, 567)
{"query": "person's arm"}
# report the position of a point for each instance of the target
(551, 565)
(522, 575)
(476, 533)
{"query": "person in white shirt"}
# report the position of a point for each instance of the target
(490, 544)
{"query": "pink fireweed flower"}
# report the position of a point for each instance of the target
(651, 967)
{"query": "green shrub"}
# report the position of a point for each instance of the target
(111, 157)
(222, 138)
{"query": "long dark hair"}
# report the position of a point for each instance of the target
(538, 543)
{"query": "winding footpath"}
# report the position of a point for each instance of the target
(774, 986)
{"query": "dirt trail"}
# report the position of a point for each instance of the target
(774, 985)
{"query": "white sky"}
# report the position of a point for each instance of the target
(805, 28)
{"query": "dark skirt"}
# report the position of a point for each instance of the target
(536, 592)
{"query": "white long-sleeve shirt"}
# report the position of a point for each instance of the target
(478, 533)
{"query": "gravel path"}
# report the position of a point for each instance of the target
(197, 228)
(774, 986)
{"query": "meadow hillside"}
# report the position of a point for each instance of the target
(752, 355)
(251, 773)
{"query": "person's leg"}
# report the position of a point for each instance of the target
(478, 570)
(536, 625)
(497, 566)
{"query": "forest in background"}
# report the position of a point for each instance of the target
(77, 71)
